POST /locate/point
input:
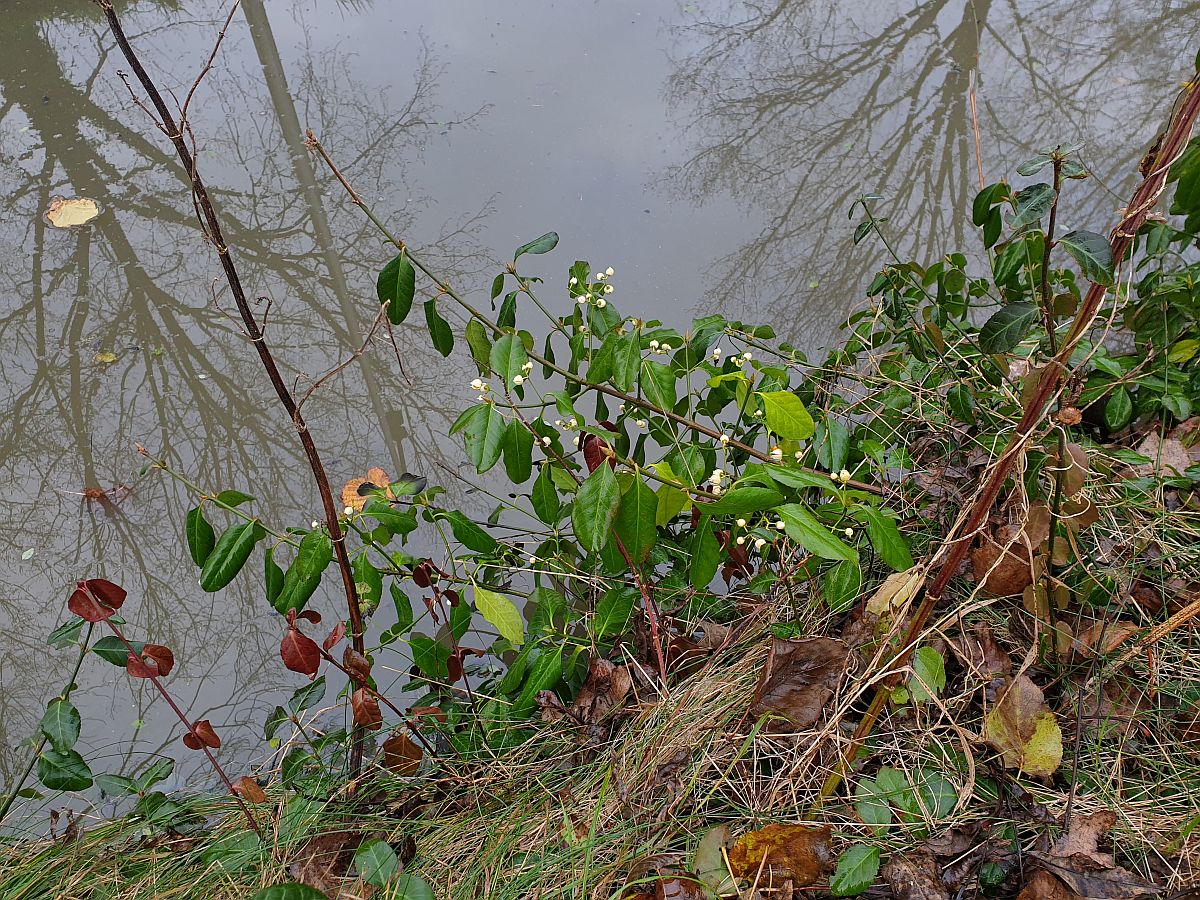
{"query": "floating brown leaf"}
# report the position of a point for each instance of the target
(914, 876)
(401, 755)
(248, 789)
(64, 213)
(799, 678)
(350, 492)
(1024, 730)
(366, 709)
(798, 852)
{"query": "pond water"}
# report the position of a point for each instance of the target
(708, 151)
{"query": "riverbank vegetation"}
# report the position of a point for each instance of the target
(915, 618)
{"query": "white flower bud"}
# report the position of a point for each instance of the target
(716, 352)
(601, 303)
(849, 532)
(545, 441)
(576, 440)
(608, 289)
(348, 511)
(716, 490)
(582, 299)
(776, 454)
(741, 523)
(747, 356)
(518, 379)
(477, 385)
(799, 455)
(724, 439)
(760, 543)
(843, 476)
(574, 423)
(600, 276)
(654, 345)
(779, 526)
(758, 414)
(609, 271)
(641, 423)
(741, 540)
(573, 281)
(528, 367)
(316, 524)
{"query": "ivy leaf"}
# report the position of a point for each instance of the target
(1007, 327)
(543, 244)
(439, 329)
(60, 724)
(1093, 253)
(787, 416)
(64, 771)
(595, 508)
(803, 528)
(396, 285)
(502, 613)
(857, 869)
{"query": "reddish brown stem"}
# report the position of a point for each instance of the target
(189, 726)
(954, 549)
(212, 227)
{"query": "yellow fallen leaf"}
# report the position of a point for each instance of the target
(895, 592)
(77, 211)
(352, 498)
(798, 852)
(1024, 730)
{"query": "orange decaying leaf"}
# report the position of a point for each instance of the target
(798, 852)
(352, 498)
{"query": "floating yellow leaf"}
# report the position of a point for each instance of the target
(106, 357)
(77, 211)
(353, 499)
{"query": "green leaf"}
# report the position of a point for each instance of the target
(155, 772)
(60, 724)
(659, 384)
(272, 576)
(518, 452)
(508, 357)
(307, 696)
(64, 771)
(439, 328)
(930, 668)
(1032, 203)
(404, 610)
(290, 891)
(479, 345)
(411, 887)
(201, 538)
(786, 416)
(233, 498)
(497, 286)
(544, 674)
(467, 533)
(396, 285)
(304, 574)
(1093, 253)
(885, 537)
(1007, 327)
(543, 244)
(743, 499)
(595, 508)
(613, 611)
(544, 496)
(65, 634)
(671, 501)
(962, 403)
(116, 785)
(833, 444)
(803, 528)
(483, 433)
(798, 479)
(871, 808)
(395, 520)
(635, 522)
(627, 361)
(1035, 165)
(856, 870)
(229, 555)
(502, 613)
(376, 862)
(276, 719)
(1118, 410)
(841, 585)
(369, 581)
(112, 649)
(430, 656)
(706, 554)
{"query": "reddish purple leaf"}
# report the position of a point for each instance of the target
(299, 653)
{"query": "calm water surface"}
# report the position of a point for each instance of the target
(708, 151)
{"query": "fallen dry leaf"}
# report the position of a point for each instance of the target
(799, 678)
(352, 498)
(1023, 729)
(1044, 886)
(914, 876)
(1088, 871)
(401, 755)
(1002, 564)
(322, 862)
(796, 852)
(65, 213)
(981, 655)
(1168, 458)
(895, 592)
(1103, 637)
(248, 789)
(604, 690)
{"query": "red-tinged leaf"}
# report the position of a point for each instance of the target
(356, 664)
(453, 596)
(335, 637)
(593, 451)
(300, 653)
(421, 575)
(401, 755)
(454, 668)
(366, 709)
(139, 669)
(247, 788)
(310, 615)
(95, 600)
(434, 712)
(162, 657)
(192, 742)
(204, 730)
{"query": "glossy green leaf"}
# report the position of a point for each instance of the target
(929, 670)
(803, 528)
(543, 675)
(787, 416)
(613, 611)
(508, 357)
(627, 360)
(483, 433)
(1007, 327)
(411, 887)
(742, 500)
(544, 496)
(439, 329)
(307, 696)
(635, 522)
(63, 771)
(1093, 253)
(395, 519)
(798, 479)
(157, 771)
(857, 869)
(479, 345)
(116, 785)
(304, 574)
(658, 384)
(112, 649)
(670, 502)
(60, 724)
(518, 452)
(376, 862)
(1033, 202)
(543, 244)
(201, 538)
(962, 403)
(502, 613)
(65, 634)
(404, 610)
(885, 536)
(396, 286)
(705, 553)
(272, 576)
(430, 656)
(467, 533)
(233, 498)
(841, 585)
(369, 582)
(1118, 409)
(595, 509)
(276, 719)
(232, 550)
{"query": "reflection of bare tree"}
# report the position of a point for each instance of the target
(136, 282)
(798, 106)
